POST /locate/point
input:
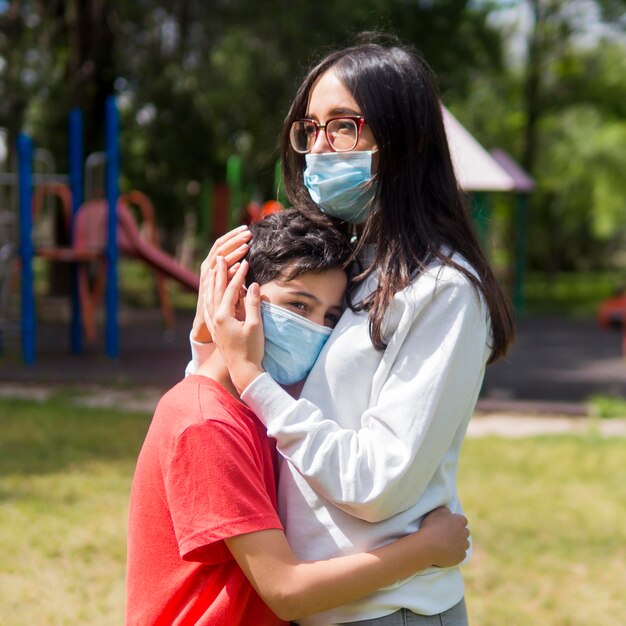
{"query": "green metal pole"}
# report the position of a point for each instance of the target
(521, 229)
(481, 212)
(279, 184)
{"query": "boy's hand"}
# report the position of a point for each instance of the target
(241, 341)
(447, 536)
(233, 246)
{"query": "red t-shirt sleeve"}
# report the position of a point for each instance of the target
(215, 489)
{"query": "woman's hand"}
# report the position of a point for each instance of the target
(233, 246)
(448, 536)
(237, 327)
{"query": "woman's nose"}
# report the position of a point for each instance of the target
(321, 143)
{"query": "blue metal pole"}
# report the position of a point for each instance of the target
(77, 187)
(29, 324)
(112, 193)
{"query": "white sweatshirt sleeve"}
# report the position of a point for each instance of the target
(384, 467)
(199, 353)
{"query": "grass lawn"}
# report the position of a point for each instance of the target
(65, 474)
(547, 517)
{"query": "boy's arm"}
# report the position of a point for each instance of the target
(293, 588)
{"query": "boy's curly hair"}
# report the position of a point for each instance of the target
(288, 243)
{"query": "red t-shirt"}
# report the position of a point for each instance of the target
(206, 472)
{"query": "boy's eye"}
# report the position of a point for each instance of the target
(300, 306)
(331, 320)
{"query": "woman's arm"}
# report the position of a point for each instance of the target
(232, 246)
(432, 383)
(293, 588)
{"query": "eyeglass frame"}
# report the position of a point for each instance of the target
(359, 120)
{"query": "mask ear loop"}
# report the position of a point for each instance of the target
(353, 237)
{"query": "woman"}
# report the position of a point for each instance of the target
(373, 442)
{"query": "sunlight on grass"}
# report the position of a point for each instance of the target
(547, 518)
(546, 515)
(606, 407)
(65, 475)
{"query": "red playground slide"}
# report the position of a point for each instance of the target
(131, 243)
(90, 236)
(612, 314)
(91, 232)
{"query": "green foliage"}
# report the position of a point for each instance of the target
(574, 294)
(560, 111)
(607, 406)
(221, 80)
(579, 205)
(199, 81)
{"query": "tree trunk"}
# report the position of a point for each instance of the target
(532, 89)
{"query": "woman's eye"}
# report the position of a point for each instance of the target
(343, 127)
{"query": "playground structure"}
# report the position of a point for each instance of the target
(481, 173)
(102, 228)
(44, 172)
(99, 231)
(612, 314)
(99, 226)
(88, 244)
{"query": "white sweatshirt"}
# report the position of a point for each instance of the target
(373, 442)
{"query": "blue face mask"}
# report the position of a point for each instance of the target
(340, 183)
(292, 344)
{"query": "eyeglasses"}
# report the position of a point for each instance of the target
(342, 133)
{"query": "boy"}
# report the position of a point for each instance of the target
(205, 545)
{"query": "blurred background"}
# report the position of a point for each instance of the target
(197, 82)
(202, 89)
(193, 94)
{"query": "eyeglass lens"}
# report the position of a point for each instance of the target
(341, 134)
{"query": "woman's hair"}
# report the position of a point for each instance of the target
(419, 211)
(288, 243)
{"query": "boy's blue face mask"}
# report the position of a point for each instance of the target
(340, 183)
(292, 344)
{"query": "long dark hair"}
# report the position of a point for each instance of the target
(420, 214)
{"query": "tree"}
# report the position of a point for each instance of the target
(558, 106)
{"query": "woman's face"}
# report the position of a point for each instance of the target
(330, 98)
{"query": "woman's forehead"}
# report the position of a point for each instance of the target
(329, 96)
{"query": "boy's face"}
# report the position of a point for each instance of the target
(317, 296)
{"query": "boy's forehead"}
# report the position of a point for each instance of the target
(320, 285)
(282, 283)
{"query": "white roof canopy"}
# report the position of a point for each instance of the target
(475, 168)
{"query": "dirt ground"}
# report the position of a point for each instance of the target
(555, 366)
(499, 424)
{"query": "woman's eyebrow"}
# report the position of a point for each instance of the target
(335, 112)
(344, 111)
